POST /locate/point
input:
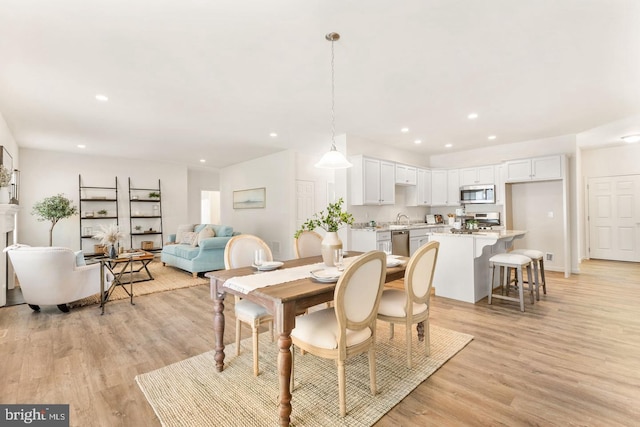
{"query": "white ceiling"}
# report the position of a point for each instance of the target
(211, 79)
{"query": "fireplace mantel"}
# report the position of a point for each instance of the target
(8, 219)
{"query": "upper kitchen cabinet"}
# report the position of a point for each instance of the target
(372, 181)
(478, 175)
(420, 194)
(406, 175)
(439, 190)
(535, 169)
(453, 187)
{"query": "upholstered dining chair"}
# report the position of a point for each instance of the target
(349, 327)
(239, 252)
(411, 305)
(308, 243)
(54, 275)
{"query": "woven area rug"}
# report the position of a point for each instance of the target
(165, 278)
(193, 393)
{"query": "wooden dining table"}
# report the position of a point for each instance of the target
(284, 301)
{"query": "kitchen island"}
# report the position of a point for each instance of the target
(462, 270)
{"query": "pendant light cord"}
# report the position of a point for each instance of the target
(333, 96)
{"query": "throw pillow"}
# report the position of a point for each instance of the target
(206, 233)
(183, 228)
(80, 258)
(188, 238)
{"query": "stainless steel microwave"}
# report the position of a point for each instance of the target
(471, 194)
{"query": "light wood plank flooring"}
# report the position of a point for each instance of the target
(571, 359)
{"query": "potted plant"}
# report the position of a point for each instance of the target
(102, 212)
(154, 195)
(54, 209)
(138, 228)
(109, 235)
(330, 221)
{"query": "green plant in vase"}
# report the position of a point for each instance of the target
(154, 195)
(330, 221)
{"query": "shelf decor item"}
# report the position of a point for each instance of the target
(54, 209)
(154, 195)
(102, 212)
(331, 221)
(109, 235)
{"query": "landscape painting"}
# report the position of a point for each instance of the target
(253, 198)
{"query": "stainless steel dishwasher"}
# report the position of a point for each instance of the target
(400, 242)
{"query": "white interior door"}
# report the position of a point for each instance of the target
(305, 195)
(614, 218)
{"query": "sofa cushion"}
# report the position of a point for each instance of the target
(182, 251)
(183, 228)
(206, 233)
(188, 238)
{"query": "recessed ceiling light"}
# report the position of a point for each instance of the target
(404, 130)
(417, 141)
(472, 116)
(491, 137)
(273, 134)
(448, 145)
(631, 138)
(203, 161)
(103, 98)
(82, 146)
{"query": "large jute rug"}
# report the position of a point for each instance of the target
(193, 393)
(165, 278)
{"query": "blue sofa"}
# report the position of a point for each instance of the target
(207, 256)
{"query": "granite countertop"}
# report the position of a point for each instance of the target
(393, 227)
(494, 234)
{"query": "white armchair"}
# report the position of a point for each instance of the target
(50, 276)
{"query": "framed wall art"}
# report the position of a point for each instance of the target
(253, 198)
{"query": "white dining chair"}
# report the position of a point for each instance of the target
(411, 304)
(239, 252)
(307, 244)
(348, 328)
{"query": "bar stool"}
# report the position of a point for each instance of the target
(537, 258)
(508, 261)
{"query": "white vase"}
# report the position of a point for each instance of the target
(4, 195)
(330, 242)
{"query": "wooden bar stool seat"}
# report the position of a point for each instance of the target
(537, 258)
(505, 262)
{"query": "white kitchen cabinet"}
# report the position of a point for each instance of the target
(499, 176)
(477, 175)
(420, 195)
(438, 187)
(420, 237)
(363, 240)
(406, 175)
(372, 181)
(535, 169)
(453, 187)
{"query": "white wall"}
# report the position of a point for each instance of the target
(530, 206)
(275, 224)
(47, 173)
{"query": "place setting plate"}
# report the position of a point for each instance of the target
(325, 276)
(393, 261)
(268, 265)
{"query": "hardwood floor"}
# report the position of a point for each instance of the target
(571, 359)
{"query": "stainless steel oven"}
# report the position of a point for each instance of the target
(472, 194)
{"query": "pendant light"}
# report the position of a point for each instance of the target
(333, 159)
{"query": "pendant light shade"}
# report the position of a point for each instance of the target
(333, 159)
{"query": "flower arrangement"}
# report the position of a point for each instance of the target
(109, 235)
(5, 176)
(329, 221)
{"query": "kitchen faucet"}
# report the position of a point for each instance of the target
(399, 216)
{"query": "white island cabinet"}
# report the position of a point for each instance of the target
(462, 270)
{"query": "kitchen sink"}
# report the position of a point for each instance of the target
(398, 227)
